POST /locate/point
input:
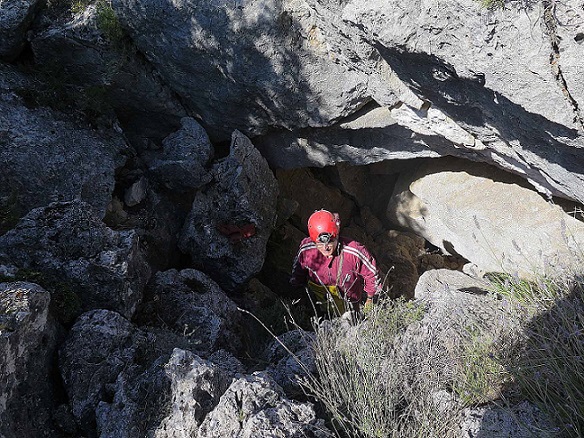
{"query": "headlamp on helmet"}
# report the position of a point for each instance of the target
(325, 238)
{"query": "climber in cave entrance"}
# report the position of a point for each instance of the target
(340, 273)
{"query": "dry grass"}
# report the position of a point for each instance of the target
(549, 366)
(397, 374)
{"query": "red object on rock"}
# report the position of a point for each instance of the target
(237, 233)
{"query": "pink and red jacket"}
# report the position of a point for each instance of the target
(355, 275)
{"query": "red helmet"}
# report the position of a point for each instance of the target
(323, 221)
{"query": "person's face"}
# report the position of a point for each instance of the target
(327, 249)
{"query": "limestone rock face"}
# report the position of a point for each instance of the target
(108, 71)
(47, 157)
(523, 420)
(15, 17)
(489, 219)
(72, 249)
(453, 299)
(170, 399)
(190, 304)
(263, 63)
(100, 345)
(186, 152)
(496, 75)
(230, 222)
(254, 406)
(28, 339)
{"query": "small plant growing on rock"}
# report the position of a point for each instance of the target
(492, 4)
(480, 370)
(108, 22)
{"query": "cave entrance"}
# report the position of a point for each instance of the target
(421, 214)
(362, 195)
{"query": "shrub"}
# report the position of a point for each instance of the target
(374, 382)
(398, 374)
(549, 368)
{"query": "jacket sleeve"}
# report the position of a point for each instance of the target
(368, 271)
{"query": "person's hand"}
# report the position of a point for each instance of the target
(368, 305)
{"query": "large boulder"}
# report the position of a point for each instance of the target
(47, 156)
(15, 18)
(28, 338)
(255, 406)
(77, 257)
(181, 166)
(231, 220)
(488, 218)
(190, 304)
(99, 347)
(90, 52)
(261, 63)
(169, 399)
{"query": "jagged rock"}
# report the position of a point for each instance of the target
(63, 160)
(93, 54)
(100, 345)
(225, 360)
(28, 339)
(230, 222)
(15, 18)
(289, 364)
(483, 215)
(160, 221)
(263, 63)
(189, 303)
(461, 315)
(186, 152)
(458, 310)
(73, 251)
(136, 193)
(254, 406)
(170, 399)
(522, 420)
(479, 80)
(351, 140)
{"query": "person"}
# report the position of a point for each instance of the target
(337, 270)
